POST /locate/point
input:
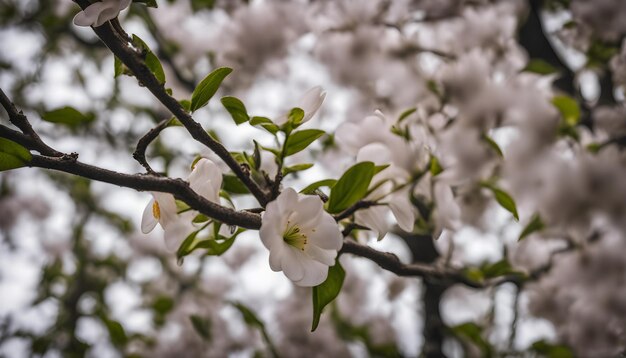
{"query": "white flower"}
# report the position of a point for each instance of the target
(448, 210)
(310, 103)
(98, 13)
(302, 238)
(206, 180)
(384, 191)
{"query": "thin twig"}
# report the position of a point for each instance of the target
(19, 120)
(140, 152)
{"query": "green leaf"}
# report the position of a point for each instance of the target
(299, 140)
(253, 321)
(504, 199)
(569, 109)
(500, 268)
(295, 116)
(493, 145)
(150, 59)
(435, 166)
(406, 113)
(473, 333)
(351, 187)
(233, 185)
(13, 155)
(236, 108)
(540, 67)
(116, 332)
(207, 87)
(216, 248)
(202, 326)
(259, 120)
(120, 68)
(314, 186)
(550, 350)
(535, 224)
(68, 116)
(265, 123)
(327, 291)
(189, 244)
(296, 168)
(148, 3)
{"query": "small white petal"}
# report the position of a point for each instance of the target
(403, 211)
(291, 264)
(148, 221)
(315, 274)
(167, 207)
(176, 232)
(374, 152)
(311, 102)
(327, 257)
(88, 16)
(206, 179)
(375, 219)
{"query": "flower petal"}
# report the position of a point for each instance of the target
(315, 274)
(327, 257)
(403, 211)
(311, 102)
(88, 16)
(326, 235)
(148, 221)
(291, 262)
(167, 208)
(176, 232)
(374, 218)
(307, 211)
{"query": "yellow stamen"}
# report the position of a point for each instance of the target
(294, 237)
(156, 211)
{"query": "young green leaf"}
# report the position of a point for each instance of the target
(253, 321)
(540, 67)
(405, 114)
(265, 123)
(296, 168)
(435, 166)
(233, 185)
(473, 333)
(236, 108)
(535, 224)
(569, 109)
(148, 3)
(327, 291)
(207, 87)
(13, 155)
(351, 187)
(216, 248)
(299, 140)
(504, 199)
(68, 116)
(151, 61)
(493, 145)
(314, 186)
(202, 326)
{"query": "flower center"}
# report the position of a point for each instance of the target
(294, 237)
(156, 211)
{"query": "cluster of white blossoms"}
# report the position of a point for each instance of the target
(98, 13)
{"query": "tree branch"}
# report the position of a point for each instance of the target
(178, 187)
(120, 48)
(19, 120)
(140, 152)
